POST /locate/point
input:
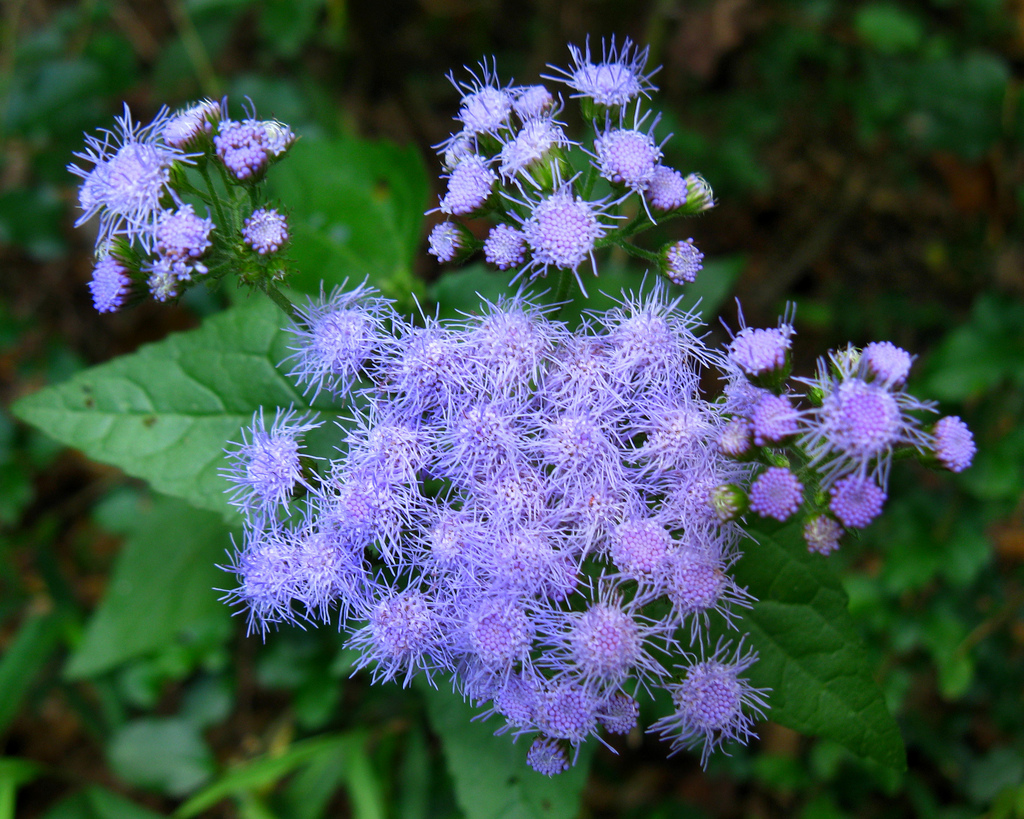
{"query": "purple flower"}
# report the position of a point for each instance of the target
(736, 438)
(652, 343)
(762, 352)
(696, 583)
(445, 241)
(499, 632)
(247, 147)
(681, 262)
(856, 501)
(601, 646)
(267, 466)
(265, 231)
(567, 711)
(533, 101)
(776, 493)
(335, 336)
(774, 419)
(884, 361)
(954, 444)
(530, 150)
(505, 247)
(667, 189)
(189, 127)
(640, 549)
(130, 176)
(713, 704)
(405, 633)
(628, 156)
(562, 230)
(110, 284)
(822, 533)
(615, 80)
(164, 277)
(619, 713)
(265, 569)
(485, 105)
(181, 235)
(857, 427)
(547, 756)
(469, 186)
(509, 343)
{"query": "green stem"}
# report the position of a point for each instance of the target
(562, 291)
(617, 236)
(213, 195)
(640, 253)
(281, 300)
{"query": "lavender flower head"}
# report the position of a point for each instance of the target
(614, 80)
(247, 147)
(954, 444)
(681, 262)
(130, 176)
(182, 235)
(713, 704)
(445, 241)
(486, 106)
(110, 284)
(335, 337)
(265, 231)
(189, 127)
(267, 466)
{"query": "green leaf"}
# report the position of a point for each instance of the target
(269, 769)
(22, 659)
(166, 412)
(165, 754)
(492, 779)
(163, 586)
(355, 211)
(13, 774)
(98, 803)
(811, 655)
(888, 27)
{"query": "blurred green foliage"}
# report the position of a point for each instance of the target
(869, 158)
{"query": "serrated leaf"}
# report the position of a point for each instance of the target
(162, 587)
(492, 779)
(166, 412)
(811, 655)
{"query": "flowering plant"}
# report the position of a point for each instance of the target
(540, 508)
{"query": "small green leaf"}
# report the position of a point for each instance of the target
(492, 779)
(888, 27)
(266, 770)
(163, 587)
(164, 754)
(23, 658)
(166, 412)
(811, 656)
(98, 803)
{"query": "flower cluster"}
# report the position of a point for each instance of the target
(138, 182)
(549, 517)
(517, 506)
(512, 160)
(546, 516)
(827, 453)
